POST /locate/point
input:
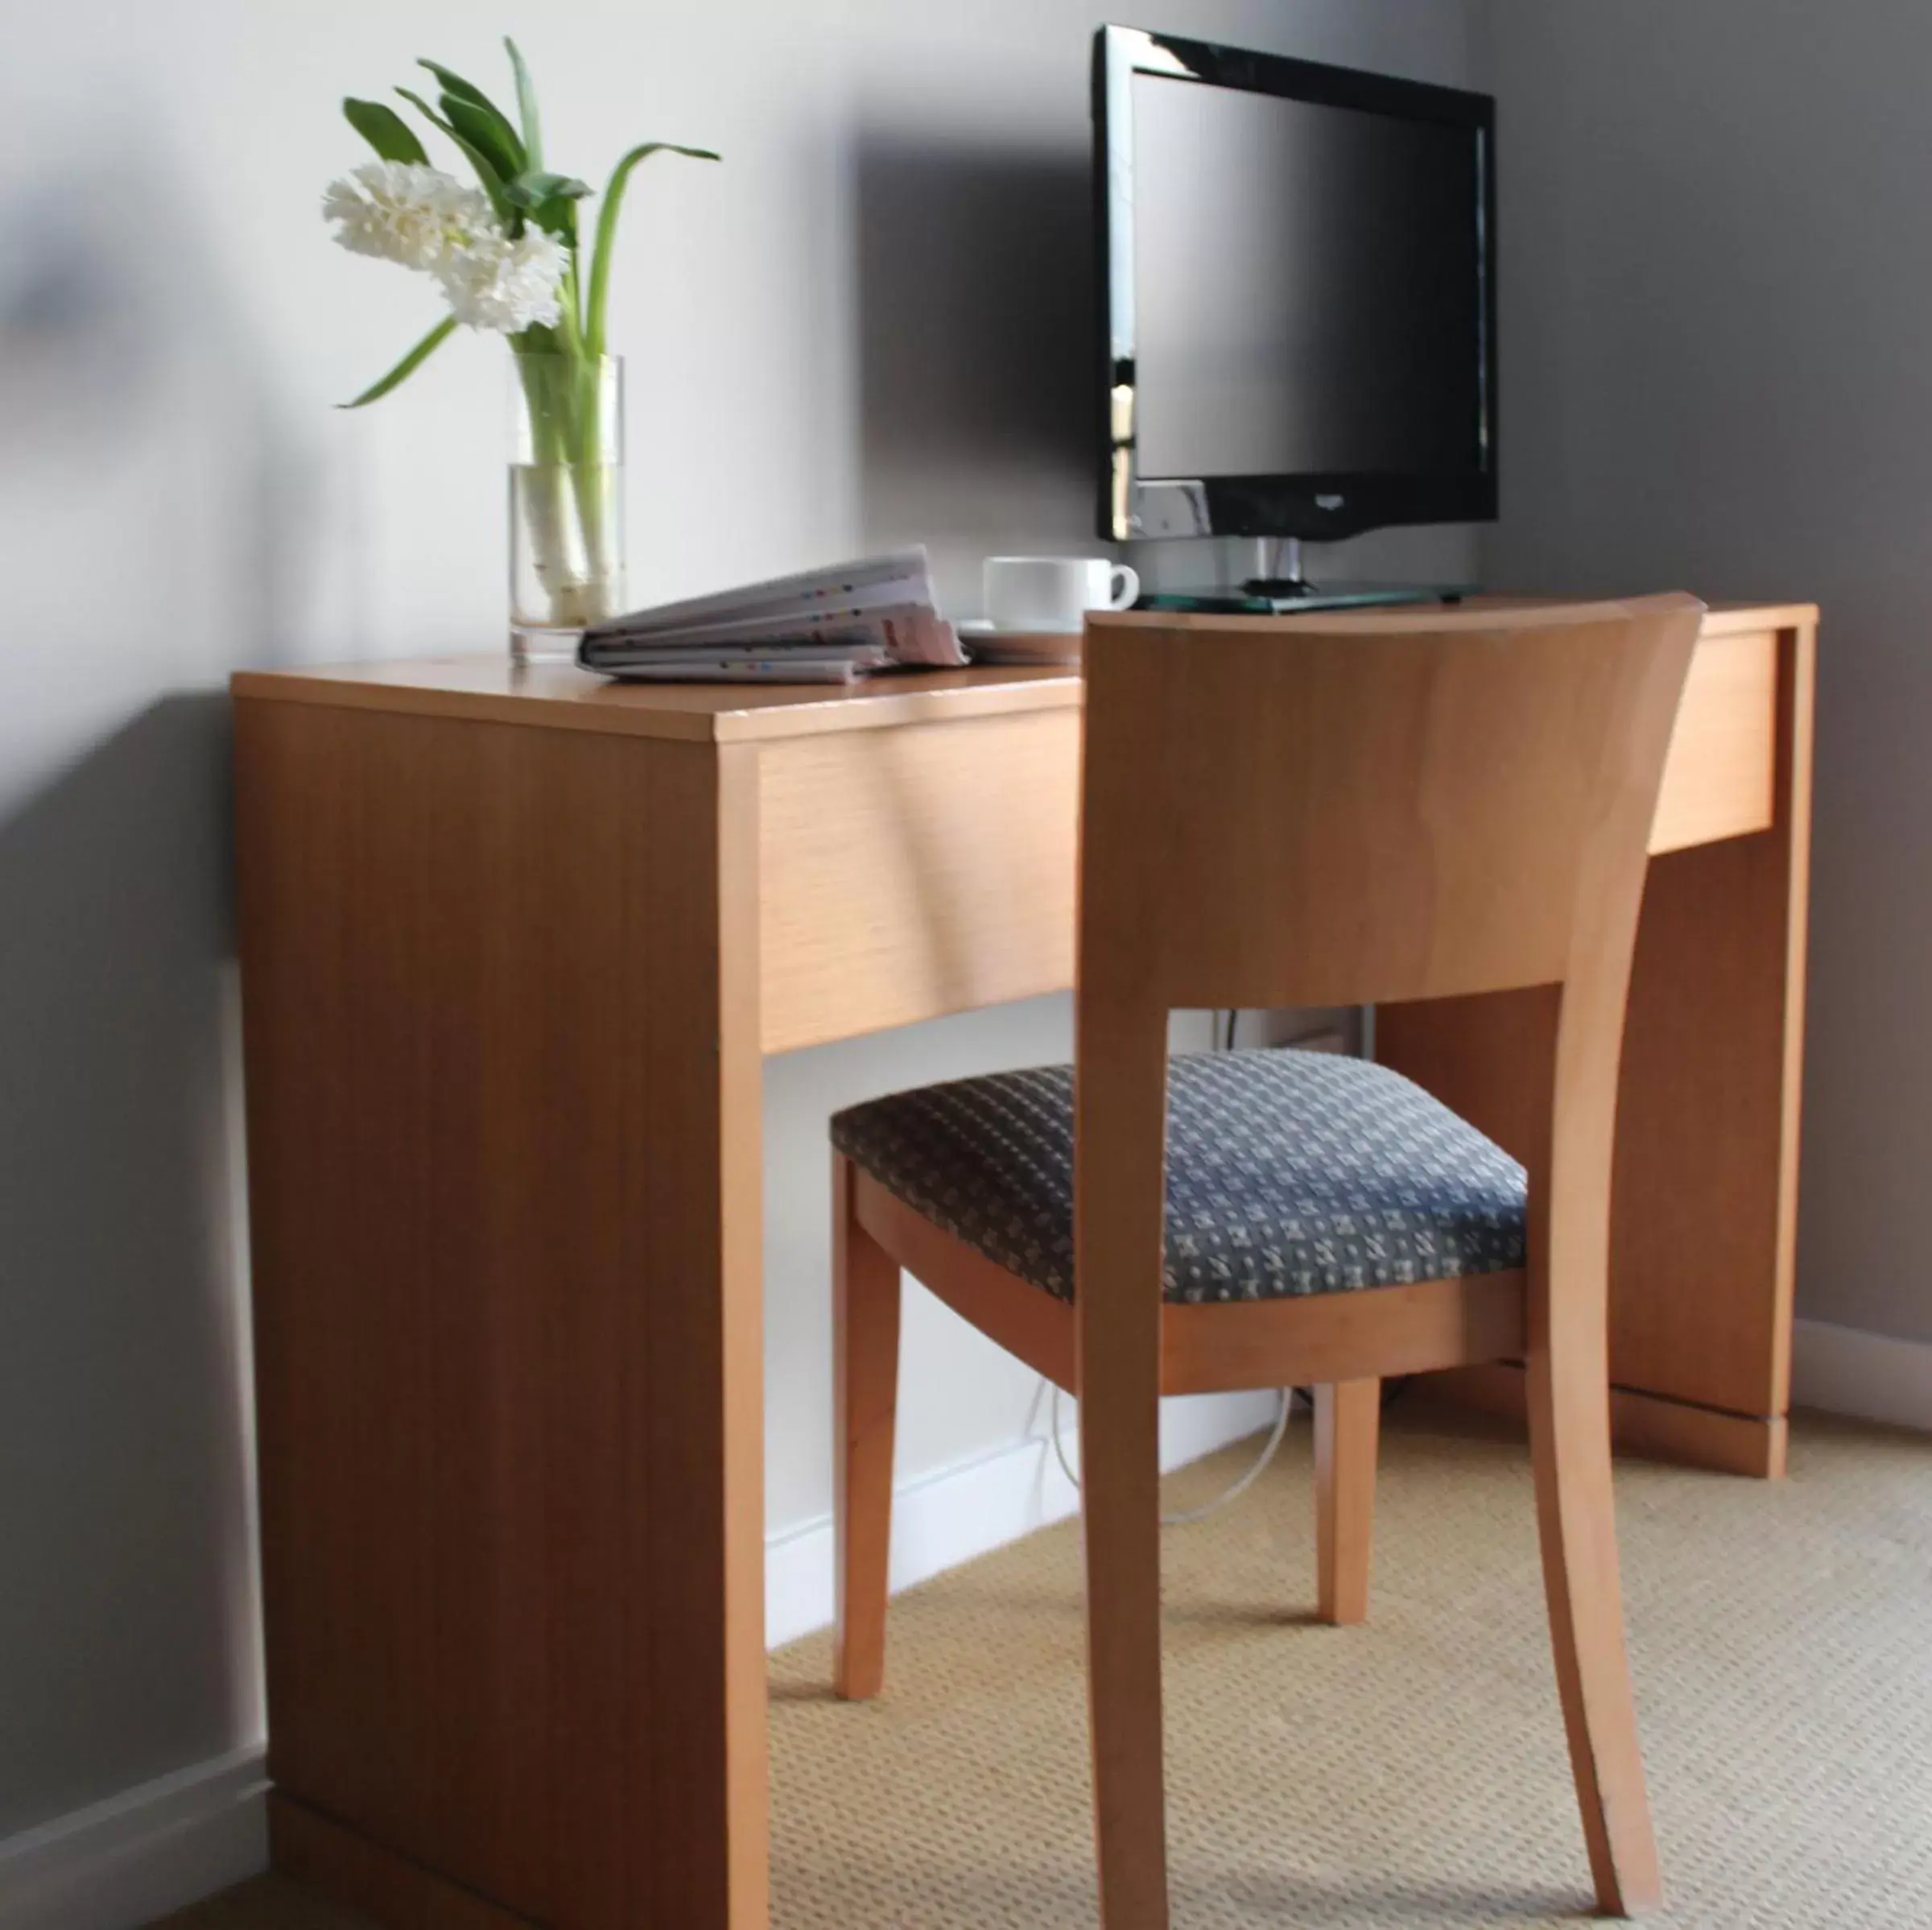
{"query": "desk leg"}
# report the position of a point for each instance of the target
(500, 1001)
(697, 1839)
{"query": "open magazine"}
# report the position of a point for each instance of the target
(826, 625)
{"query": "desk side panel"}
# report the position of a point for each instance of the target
(1704, 1206)
(1707, 1125)
(916, 871)
(497, 1075)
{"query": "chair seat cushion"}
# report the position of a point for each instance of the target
(1288, 1173)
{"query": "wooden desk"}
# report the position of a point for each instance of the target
(513, 945)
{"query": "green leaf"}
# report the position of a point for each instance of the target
(533, 186)
(550, 199)
(560, 217)
(607, 233)
(481, 121)
(486, 168)
(464, 90)
(407, 366)
(487, 133)
(384, 131)
(526, 105)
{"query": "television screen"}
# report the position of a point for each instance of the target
(1305, 284)
(1299, 293)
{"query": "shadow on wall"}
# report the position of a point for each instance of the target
(976, 290)
(147, 483)
(145, 539)
(126, 1599)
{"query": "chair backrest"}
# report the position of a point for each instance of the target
(1338, 810)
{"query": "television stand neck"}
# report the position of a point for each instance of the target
(1285, 580)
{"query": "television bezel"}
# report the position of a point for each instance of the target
(1317, 507)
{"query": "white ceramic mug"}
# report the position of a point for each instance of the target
(1053, 592)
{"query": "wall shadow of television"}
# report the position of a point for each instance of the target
(975, 277)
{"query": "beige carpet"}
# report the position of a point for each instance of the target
(1410, 1773)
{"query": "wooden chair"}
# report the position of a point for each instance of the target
(1325, 811)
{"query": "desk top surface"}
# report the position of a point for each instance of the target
(560, 696)
(491, 689)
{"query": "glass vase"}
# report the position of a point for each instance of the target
(566, 500)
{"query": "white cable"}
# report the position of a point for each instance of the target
(1281, 1423)
(1227, 1494)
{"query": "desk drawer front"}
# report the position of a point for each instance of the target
(915, 871)
(926, 869)
(1721, 774)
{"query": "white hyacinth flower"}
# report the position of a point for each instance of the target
(507, 285)
(401, 210)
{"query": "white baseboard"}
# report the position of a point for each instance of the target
(1873, 1376)
(140, 1855)
(943, 1518)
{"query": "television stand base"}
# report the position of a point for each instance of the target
(1283, 590)
(1287, 597)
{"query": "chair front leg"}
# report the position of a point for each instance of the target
(1348, 1425)
(1121, 1511)
(1121, 1105)
(866, 1293)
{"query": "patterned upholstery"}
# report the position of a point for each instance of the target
(1287, 1173)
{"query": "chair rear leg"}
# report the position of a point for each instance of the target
(865, 1369)
(1569, 1446)
(1348, 1426)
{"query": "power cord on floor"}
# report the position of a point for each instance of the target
(1220, 1501)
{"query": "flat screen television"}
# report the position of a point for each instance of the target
(1297, 288)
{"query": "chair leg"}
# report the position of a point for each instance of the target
(1569, 1446)
(865, 1372)
(1119, 1492)
(1347, 1423)
(1121, 1510)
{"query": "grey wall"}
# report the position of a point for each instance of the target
(866, 326)
(1717, 267)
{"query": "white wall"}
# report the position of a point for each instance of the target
(869, 324)
(1717, 305)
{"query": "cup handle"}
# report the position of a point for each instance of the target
(1126, 587)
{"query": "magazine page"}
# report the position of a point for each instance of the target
(905, 633)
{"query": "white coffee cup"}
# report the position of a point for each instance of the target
(1053, 593)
